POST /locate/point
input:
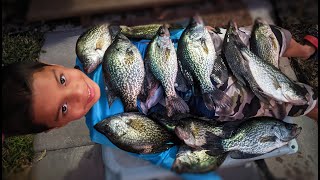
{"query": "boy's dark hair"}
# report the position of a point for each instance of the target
(17, 99)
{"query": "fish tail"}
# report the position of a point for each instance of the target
(213, 144)
(218, 101)
(176, 105)
(131, 107)
(143, 107)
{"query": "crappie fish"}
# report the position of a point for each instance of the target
(161, 59)
(91, 46)
(124, 72)
(140, 31)
(197, 55)
(254, 137)
(268, 81)
(264, 43)
(196, 161)
(219, 72)
(134, 132)
(147, 31)
(231, 53)
(192, 129)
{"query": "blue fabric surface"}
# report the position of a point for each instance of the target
(102, 110)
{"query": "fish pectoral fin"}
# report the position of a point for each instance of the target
(100, 43)
(260, 94)
(204, 46)
(276, 84)
(167, 54)
(242, 155)
(129, 57)
(268, 139)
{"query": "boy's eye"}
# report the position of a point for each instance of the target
(64, 108)
(62, 79)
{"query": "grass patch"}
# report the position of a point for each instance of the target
(17, 154)
(21, 47)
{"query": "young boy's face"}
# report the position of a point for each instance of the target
(61, 95)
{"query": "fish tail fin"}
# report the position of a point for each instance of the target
(176, 105)
(131, 106)
(143, 108)
(218, 101)
(213, 144)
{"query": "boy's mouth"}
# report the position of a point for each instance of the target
(90, 94)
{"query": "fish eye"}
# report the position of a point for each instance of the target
(62, 79)
(64, 108)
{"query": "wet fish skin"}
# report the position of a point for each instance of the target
(161, 58)
(219, 72)
(254, 137)
(91, 46)
(268, 81)
(134, 132)
(264, 43)
(196, 53)
(123, 70)
(192, 130)
(189, 160)
(140, 31)
(147, 31)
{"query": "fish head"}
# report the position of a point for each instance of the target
(91, 61)
(195, 28)
(286, 131)
(164, 30)
(118, 126)
(122, 38)
(163, 36)
(185, 134)
(232, 27)
(295, 94)
(261, 27)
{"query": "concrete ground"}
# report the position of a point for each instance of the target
(68, 153)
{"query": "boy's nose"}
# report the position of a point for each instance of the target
(77, 92)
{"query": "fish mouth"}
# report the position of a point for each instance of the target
(180, 133)
(164, 31)
(197, 18)
(295, 131)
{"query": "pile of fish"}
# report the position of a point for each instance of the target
(200, 61)
(203, 143)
